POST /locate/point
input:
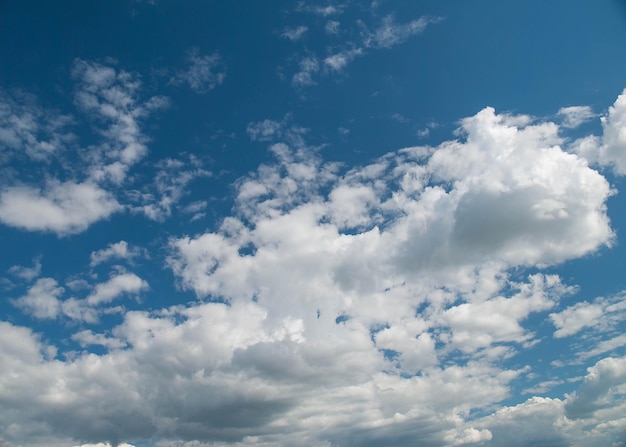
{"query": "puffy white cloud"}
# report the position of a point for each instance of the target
(374, 306)
(596, 390)
(42, 299)
(87, 338)
(118, 250)
(609, 149)
(602, 315)
(204, 72)
(613, 150)
(106, 292)
(61, 208)
(90, 175)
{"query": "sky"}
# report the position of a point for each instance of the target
(312, 223)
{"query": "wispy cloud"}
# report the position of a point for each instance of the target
(294, 34)
(309, 66)
(203, 72)
(391, 33)
(119, 251)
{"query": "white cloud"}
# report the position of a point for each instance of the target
(595, 391)
(294, 34)
(265, 130)
(373, 306)
(42, 299)
(386, 36)
(574, 116)
(613, 150)
(27, 273)
(125, 283)
(88, 338)
(321, 10)
(308, 67)
(169, 186)
(204, 72)
(332, 27)
(110, 97)
(609, 149)
(118, 250)
(61, 208)
(339, 61)
(601, 315)
(391, 33)
(28, 129)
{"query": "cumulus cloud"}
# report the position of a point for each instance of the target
(126, 283)
(90, 178)
(602, 315)
(42, 299)
(595, 391)
(118, 250)
(203, 72)
(61, 208)
(609, 149)
(376, 305)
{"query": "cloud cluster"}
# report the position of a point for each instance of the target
(387, 35)
(91, 182)
(203, 72)
(377, 305)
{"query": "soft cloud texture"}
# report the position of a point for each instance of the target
(62, 208)
(372, 305)
(203, 72)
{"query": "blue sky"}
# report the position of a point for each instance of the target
(312, 223)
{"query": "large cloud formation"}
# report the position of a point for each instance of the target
(370, 306)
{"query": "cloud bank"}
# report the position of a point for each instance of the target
(377, 305)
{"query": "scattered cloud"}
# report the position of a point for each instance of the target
(42, 299)
(308, 67)
(387, 35)
(125, 283)
(26, 129)
(332, 27)
(61, 208)
(27, 273)
(203, 72)
(391, 33)
(574, 116)
(120, 251)
(169, 186)
(337, 62)
(294, 34)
